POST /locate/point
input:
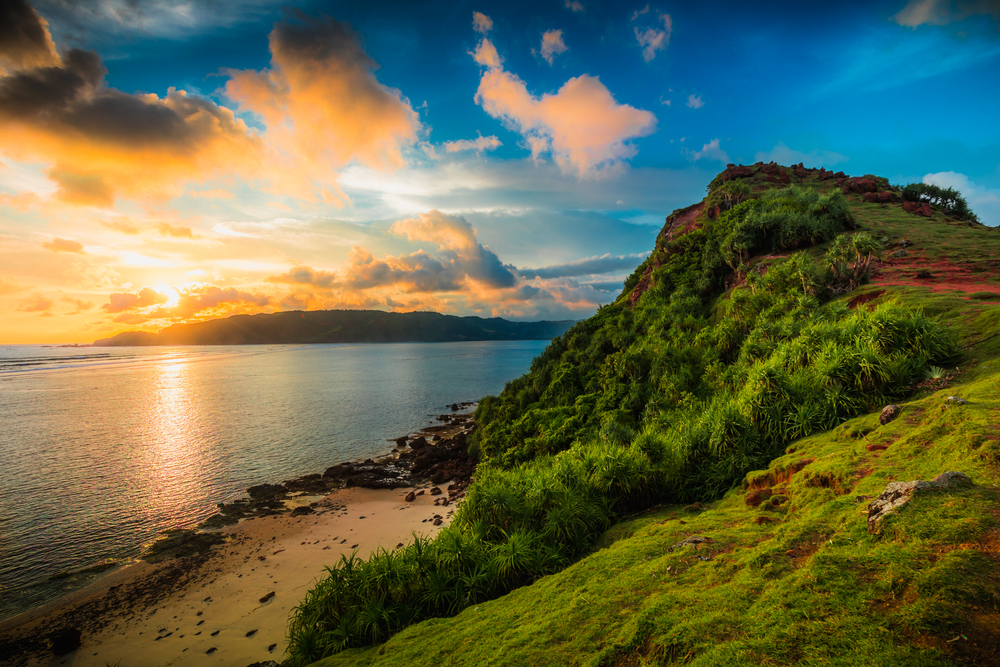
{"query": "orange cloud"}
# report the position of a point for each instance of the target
(63, 245)
(552, 45)
(323, 107)
(581, 125)
(35, 303)
(481, 22)
(100, 141)
(176, 231)
(79, 305)
(122, 225)
(146, 297)
(479, 144)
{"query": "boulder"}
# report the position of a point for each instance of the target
(435, 491)
(410, 497)
(264, 491)
(418, 443)
(899, 494)
(924, 274)
(401, 441)
(889, 413)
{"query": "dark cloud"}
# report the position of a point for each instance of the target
(24, 37)
(416, 272)
(585, 267)
(103, 142)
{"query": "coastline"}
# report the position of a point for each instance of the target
(229, 604)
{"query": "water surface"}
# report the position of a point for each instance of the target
(101, 449)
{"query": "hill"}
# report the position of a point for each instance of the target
(340, 326)
(693, 475)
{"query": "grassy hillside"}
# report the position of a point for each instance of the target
(340, 326)
(721, 416)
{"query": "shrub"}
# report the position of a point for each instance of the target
(947, 199)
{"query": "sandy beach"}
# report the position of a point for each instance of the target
(228, 606)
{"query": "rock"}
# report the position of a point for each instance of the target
(266, 663)
(267, 597)
(251, 633)
(917, 208)
(956, 400)
(401, 441)
(304, 509)
(900, 253)
(437, 522)
(435, 491)
(454, 407)
(420, 492)
(66, 641)
(889, 413)
(410, 497)
(898, 494)
(905, 243)
(418, 443)
(692, 541)
(924, 274)
(265, 491)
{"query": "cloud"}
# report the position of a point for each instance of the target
(782, 154)
(304, 275)
(481, 23)
(121, 225)
(36, 303)
(695, 101)
(80, 305)
(99, 141)
(217, 193)
(63, 245)
(461, 253)
(176, 231)
(606, 263)
(552, 45)
(486, 54)
(323, 108)
(574, 5)
(711, 151)
(581, 125)
(478, 144)
(25, 42)
(639, 12)
(653, 39)
(8, 286)
(983, 201)
(120, 302)
(195, 301)
(943, 12)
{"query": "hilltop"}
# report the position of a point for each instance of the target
(340, 326)
(692, 476)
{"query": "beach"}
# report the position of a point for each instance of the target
(230, 605)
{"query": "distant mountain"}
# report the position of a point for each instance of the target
(341, 326)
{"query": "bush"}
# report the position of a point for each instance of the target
(948, 199)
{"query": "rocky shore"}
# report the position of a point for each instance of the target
(254, 559)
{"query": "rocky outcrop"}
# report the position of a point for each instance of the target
(917, 208)
(899, 494)
(889, 413)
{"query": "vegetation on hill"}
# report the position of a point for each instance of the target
(733, 340)
(340, 326)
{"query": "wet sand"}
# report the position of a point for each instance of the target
(207, 609)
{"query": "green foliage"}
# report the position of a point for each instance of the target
(673, 400)
(949, 199)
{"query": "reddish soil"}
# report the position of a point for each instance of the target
(862, 299)
(945, 275)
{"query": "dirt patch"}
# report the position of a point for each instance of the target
(945, 275)
(778, 475)
(862, 299)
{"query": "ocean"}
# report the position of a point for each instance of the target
(102, 449)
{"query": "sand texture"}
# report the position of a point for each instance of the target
(207, 609)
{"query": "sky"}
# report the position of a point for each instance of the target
(165, 162)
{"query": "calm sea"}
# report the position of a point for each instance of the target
(101, 449)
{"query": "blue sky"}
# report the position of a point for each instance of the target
(393, 155)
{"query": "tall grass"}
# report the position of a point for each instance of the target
(674, 400)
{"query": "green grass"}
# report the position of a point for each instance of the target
(675, 399)
(807, 586)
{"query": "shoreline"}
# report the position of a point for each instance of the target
(165, 612)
